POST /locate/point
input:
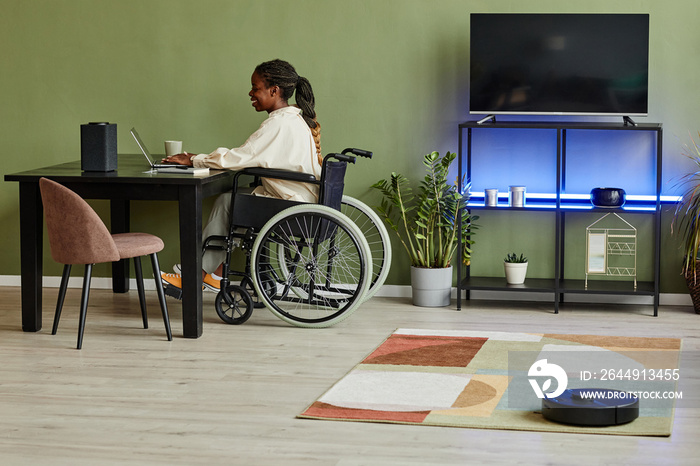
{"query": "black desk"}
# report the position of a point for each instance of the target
(130, 182)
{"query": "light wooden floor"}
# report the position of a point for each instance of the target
(231, 397)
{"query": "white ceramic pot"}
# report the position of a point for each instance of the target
(515, 272)
(431, 287)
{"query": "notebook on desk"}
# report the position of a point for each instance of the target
(164, 167)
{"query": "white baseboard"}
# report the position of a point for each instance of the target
(397, 291)
(404, 291)
(96, 283)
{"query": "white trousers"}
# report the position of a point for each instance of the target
(219, 220)
(218, 225)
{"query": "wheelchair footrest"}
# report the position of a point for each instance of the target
(172, 291)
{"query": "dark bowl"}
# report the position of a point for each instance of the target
(608, 197)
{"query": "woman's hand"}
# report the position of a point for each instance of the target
(181, 159)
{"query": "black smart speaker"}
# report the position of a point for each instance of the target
(608, 197)
(98, 147)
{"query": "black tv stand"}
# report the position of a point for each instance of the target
(628, 121)
(483, 148)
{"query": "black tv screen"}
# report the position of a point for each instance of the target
(559, 64)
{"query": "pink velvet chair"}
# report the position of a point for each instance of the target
(77, 235)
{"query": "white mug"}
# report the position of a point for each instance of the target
(173, 148)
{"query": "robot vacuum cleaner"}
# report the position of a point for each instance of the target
(591, 407)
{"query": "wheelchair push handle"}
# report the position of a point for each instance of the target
(342, 157)
(359, 152)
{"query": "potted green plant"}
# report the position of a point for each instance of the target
(686, 223)
(515, 268)
(427, 227)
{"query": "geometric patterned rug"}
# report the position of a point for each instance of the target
(487, 380)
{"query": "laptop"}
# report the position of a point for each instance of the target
(162, 167)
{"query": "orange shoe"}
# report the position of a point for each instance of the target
(171, 279)
(211, 284)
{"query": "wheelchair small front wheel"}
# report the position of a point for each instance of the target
(234, 305)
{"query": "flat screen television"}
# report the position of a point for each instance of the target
(559, 64)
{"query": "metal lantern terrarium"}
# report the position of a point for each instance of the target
(611, 248)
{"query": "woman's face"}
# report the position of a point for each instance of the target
(264, 98)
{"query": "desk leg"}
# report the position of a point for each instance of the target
(119, 215)
(190, 211)
(31, 229)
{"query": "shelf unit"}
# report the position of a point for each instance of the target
(557, 200)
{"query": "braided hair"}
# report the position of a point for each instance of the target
(282, 74)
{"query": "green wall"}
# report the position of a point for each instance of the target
(389, 75)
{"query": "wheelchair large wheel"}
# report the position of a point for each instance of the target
(321, 263)
(374, 232)
(377, 237)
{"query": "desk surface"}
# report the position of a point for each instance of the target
(130, 167)
(131, 181)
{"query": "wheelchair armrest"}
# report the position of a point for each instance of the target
(280, 174)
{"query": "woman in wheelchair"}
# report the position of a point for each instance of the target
(288, 139)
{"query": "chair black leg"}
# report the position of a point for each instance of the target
(161, 295)
(61, 297)
(139, 287)
(84, 303)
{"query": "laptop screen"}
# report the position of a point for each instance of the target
(142, 146)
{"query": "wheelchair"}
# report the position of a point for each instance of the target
(312, 265)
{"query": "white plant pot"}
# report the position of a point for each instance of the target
(515, 272)
(431, 287)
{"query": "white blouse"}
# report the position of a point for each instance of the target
(283, 141)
